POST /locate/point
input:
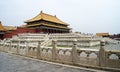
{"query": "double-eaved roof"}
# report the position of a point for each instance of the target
(46, 17)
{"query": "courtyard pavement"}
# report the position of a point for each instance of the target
(14, 63)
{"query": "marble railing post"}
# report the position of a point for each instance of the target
(102, 58)
(18, 47)
(27, 47)
(74, 53)
(54, 53)
(10, 46)
(3, 47)
(39, 50)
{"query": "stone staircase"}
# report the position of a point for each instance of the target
(47, 42)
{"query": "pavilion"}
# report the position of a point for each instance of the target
(45, 23)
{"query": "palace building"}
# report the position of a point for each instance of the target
(42, 23)
(45, 23)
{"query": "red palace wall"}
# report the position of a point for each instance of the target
(19, 30)
(8, 34)
(39, 30)
(1, 36)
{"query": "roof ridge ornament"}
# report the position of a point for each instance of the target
(41, 11)
(41, 14)
(55, 16)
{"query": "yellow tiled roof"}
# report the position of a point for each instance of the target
(48, 25)
(2, 28)
(10, 28)
(47, 17)
(102, 34)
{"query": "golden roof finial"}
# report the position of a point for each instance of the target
(55, 15)
(41, 11)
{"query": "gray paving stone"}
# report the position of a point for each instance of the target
(13, 63)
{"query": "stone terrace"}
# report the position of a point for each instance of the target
(34, 45)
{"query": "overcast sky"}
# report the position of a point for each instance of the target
(88, 16)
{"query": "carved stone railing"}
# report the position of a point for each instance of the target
(76, 56)
(64, 38)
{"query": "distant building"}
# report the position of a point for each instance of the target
(115, 36)
(102, 34)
